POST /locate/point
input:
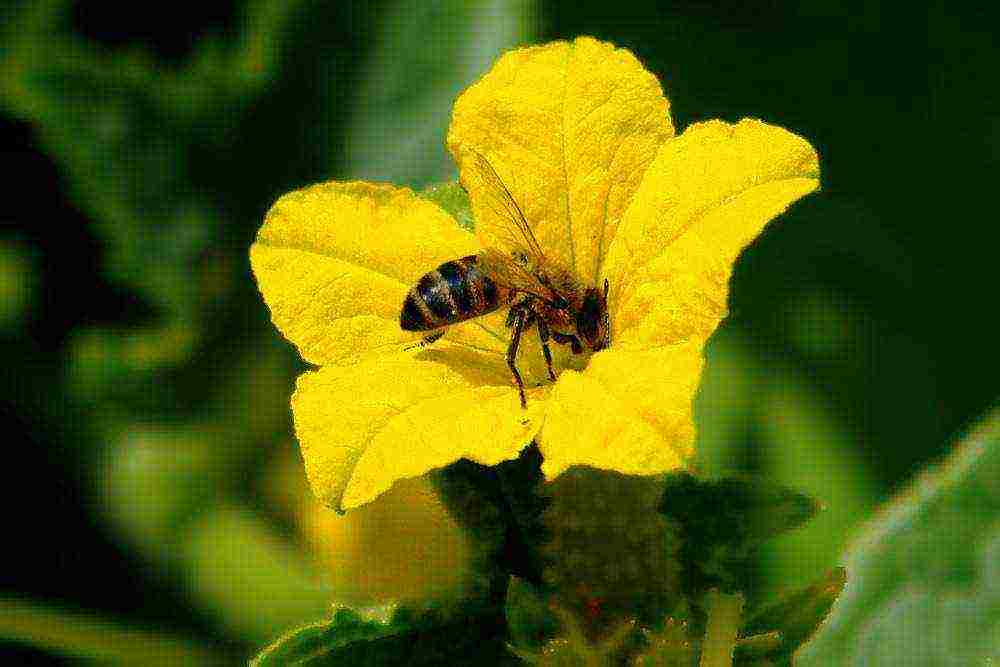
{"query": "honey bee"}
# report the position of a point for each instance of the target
(539, 291)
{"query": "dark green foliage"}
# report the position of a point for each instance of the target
(500, 506)
(405, 639)
(625, 549)
(758, 651)
(314, 642)
(783, 627)
(723, 523)
(611, 555)
(529, 618)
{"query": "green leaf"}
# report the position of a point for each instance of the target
(88, 635)
(121, 136)
(790, 622)
(138, 147)
(453, 199)
(399, 636)
(312, 642)
(424, 55)
(754, 650)
(501, 509)
(19, 282)
(529, 618)
(757, 405)
(724, 522)
(923, 581)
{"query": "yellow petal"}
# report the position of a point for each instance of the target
(570, 128)
(707, 194)
(334, 262)
(629, 411)
(404, 546)
(363, 427)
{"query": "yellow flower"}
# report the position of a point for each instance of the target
(581, 134)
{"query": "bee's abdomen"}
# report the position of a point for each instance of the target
(455, 291)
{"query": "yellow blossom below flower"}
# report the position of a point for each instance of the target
(581, 135)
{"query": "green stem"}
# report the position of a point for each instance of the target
(724, 612)
(85, 634)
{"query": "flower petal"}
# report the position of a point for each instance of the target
(707, 194)
(334, 262)
(570, 128)
(629, 411)
(365, 426)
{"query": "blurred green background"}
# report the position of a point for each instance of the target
(156, 494)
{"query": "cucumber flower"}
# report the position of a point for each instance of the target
(581, 135)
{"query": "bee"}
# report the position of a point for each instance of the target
(539, 291)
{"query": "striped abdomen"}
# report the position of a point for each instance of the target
(455, 291)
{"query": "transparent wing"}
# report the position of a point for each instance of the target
(500, 218)
(507, 272)
(513, 256)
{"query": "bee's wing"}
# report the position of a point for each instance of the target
(506, 272)
(506, 224)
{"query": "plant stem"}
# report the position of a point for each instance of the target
(724, 613)
(86, 634)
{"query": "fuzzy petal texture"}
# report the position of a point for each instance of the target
(629, 411)
(334, 262)
(708, 194)
(570, 127)
(363, 427)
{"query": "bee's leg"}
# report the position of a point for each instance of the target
(425, 341)
(543, 335)
(569, 339)
(428, 340)
(515, 340)
(517, 306)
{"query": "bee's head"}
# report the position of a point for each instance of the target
(592, 324)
